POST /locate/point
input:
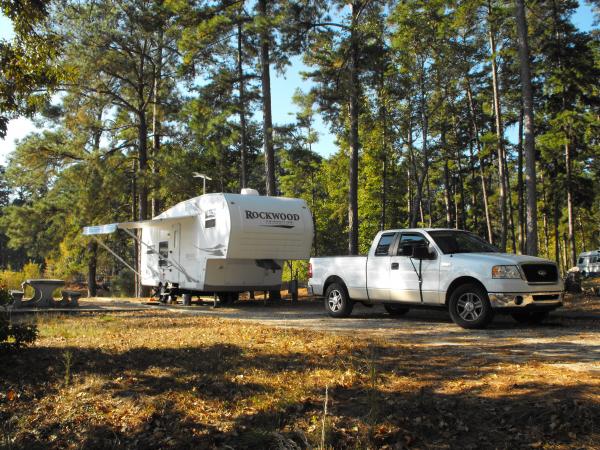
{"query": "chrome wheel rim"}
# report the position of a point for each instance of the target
(335, 300)
(469, 307)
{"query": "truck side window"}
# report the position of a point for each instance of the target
(408, 241)
(383, 247)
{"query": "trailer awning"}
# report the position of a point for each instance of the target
(112, 227)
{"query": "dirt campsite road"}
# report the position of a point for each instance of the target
(570, 337)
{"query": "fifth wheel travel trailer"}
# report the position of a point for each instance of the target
(219, 244)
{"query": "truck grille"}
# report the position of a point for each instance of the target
(540, 273)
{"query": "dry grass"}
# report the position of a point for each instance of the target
(159, 380)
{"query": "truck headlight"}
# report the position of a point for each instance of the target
(506, 272)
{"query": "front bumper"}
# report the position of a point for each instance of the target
(530, 300)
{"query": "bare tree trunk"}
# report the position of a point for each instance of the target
(155, 201)
(92, 249)
(242, 109)
(582, 231)
(571, 215)
(556, 235)
(527, 94)
(488, 220)
(474, 212)
(384, 151)
(511, 223)
(354, 138)
(265, 63)
(447, 200)
(545, 217)
(499, 134)
(520, 202)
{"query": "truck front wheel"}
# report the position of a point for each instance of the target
(470, 307)
(337, 301)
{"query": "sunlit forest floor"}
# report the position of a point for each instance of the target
(161, 379)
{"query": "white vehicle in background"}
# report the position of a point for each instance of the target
(588, 263)
(439, 268)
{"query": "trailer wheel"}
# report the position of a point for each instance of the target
(394, 309)
(470, 307)
(337, 301)
(228, 298)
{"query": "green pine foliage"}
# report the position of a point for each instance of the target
(154, 91)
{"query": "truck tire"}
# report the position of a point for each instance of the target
(394, 309)
(531, 318)
(337, 301)
(470, 307)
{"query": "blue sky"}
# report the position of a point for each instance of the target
(283, 88)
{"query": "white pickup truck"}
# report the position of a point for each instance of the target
(439, 268)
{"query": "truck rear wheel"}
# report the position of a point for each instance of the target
(337, 301)
(394, 309)
(470, 307)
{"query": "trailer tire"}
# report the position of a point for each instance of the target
(228, 298)
(394, 309)
(337, 301)
(470, 307)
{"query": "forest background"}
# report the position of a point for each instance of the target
(480, 115)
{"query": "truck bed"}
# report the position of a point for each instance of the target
(353, 269)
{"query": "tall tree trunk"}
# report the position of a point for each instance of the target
(384, 150)
(354, 138)
(527, 94)
(265, 63)
(156, 129)
(447, 194)
(447, 200)
(242, 109)
(499, 133)
(571, 215)
(556, 217)
(511, 223)
(488, 221)
(545, 217)
(520, 199)
(92, 250)
(473, 186)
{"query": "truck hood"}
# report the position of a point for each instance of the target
(497, 258)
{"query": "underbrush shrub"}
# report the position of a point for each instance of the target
(12, 279)
(13, 335)
(123, 284)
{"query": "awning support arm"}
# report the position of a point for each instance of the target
(116, 256)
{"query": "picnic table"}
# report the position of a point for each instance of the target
(43, 289)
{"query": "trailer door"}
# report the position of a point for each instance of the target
(175, 274)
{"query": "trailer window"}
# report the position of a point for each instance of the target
(163, 251)
(209, 219)
(383, 247)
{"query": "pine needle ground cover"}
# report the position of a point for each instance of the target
(163, 380)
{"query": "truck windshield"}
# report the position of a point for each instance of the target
(461, 242)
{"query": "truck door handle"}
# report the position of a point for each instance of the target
(395, 266)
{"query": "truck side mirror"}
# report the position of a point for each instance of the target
(420, 252)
